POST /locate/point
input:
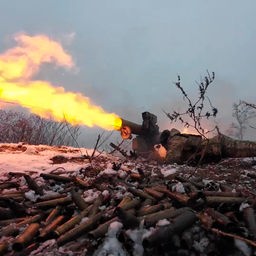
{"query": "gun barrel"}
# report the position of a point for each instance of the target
(148, 128)
(135, 128)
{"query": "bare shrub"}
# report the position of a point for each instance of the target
(195, 111)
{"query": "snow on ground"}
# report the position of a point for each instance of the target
(31, 158)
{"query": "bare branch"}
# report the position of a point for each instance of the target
(193, 116)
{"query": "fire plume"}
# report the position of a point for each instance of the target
(18, 65)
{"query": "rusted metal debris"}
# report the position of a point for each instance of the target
(175, 214)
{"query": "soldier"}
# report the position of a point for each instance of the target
(191, 149)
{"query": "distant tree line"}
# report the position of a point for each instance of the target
(244, 114)
(30, 128)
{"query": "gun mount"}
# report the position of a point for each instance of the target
(180, 147)
(147, 133)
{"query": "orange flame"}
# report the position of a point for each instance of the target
(17, 67)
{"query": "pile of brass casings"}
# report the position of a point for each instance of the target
(146, 200)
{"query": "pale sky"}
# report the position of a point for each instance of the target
(128, 53)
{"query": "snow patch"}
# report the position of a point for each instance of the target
(243, 206)
(111, 245)
(108, 171)
(178, 187)
(90, 195)
(36, 158)
(168, 171)
(163, 222)
(31, 195)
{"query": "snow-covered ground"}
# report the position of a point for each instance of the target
(31, 158)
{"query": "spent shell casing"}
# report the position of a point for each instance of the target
(48, 230)
(140, 193)
(53, 214)
(150, 209)
(130, 204)
(164, 233)
(128, 219)
(78, 200)
(124, 201)
(156, 194)
(213, 200)
(26, 237)
(72, 222)
(249, 217)
(54, 202)
(79, 230)
(33, 185)
(152, 219)
(102, 229)
(95, 207)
